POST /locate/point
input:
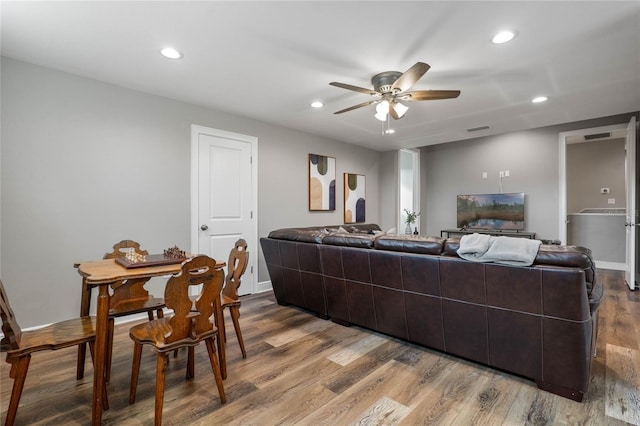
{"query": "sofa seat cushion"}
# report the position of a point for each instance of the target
(410, 244)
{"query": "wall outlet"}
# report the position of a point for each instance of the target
(501, 173)
(605, 190)
(611, 201)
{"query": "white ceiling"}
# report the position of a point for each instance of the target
(268, 60)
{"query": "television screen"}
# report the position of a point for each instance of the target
(491, 211)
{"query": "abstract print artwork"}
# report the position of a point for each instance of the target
(322, 182)
(354, 198)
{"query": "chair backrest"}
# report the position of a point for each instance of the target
(238, 261)
(10, 328)
(122, 248)
(193, 317)
(135, 290)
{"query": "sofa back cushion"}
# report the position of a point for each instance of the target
(410, 244)
(300, 234)
(349, 240)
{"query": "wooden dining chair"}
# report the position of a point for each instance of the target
(237, 265)
(191, 323)
(21, 344)
(129, 297)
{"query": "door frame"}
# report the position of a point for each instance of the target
(415, 188)
(562, 187)
(196, 130)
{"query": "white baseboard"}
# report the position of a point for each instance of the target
(616, 266)
(264, 286)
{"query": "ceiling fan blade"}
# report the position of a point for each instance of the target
(364, 104)
(429, 95)
(409, 78)
(394, 114)
(354, 88)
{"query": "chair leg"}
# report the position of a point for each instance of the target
(105, 400)
(160, 313)
(211, 348)
(222, 331)
(235, 316)
(190, 362)
(19, 374)
(82, 354)
(135, 371)
(160, 376)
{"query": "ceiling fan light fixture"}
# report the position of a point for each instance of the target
(400, 109)
(382, 110)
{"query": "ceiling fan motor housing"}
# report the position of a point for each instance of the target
(382, 82)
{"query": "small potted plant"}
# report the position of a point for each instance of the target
(410, 219)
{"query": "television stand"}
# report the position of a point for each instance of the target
(494, 232)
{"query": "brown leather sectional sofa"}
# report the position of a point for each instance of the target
(538, 322)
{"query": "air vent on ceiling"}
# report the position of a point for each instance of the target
(597, 136)
(475, 129)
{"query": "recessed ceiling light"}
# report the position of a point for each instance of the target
(171, 53)
(539, 99)
(317, 104)
(503, 37)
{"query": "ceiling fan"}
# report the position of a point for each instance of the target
(390, 87)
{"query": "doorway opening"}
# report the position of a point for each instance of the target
(409, 182)
(594, 194)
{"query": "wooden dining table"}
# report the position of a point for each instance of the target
(102, 274)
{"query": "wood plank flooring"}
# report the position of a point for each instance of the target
(302, 370)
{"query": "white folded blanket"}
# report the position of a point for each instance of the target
(473, 246)
(505, 250)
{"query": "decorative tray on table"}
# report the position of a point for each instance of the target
(136, 260)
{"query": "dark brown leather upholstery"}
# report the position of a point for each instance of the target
(537, 321)
(410, 243)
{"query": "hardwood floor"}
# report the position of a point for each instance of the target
(304, 370)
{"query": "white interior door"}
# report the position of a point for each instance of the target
(631, 221)
(225, 196)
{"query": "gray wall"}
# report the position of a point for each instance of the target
(532, 158)
(389, 190)
(592, 166)
(85, 164)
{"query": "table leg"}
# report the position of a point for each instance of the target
(222, 355)
(85, 304)
(102, 331)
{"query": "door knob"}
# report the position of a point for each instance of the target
(204, 227)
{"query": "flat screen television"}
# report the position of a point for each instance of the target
(491, 211)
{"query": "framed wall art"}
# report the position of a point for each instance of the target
(354, 198)
(322, 183)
